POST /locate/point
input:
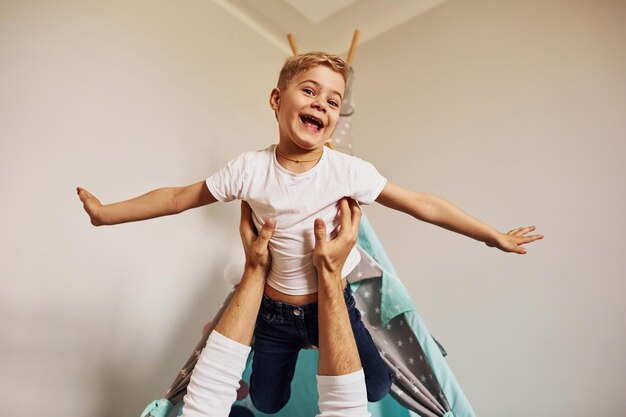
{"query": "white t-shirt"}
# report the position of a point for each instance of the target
(295, 201)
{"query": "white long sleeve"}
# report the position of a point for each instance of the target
(343, 395)
(212, 389)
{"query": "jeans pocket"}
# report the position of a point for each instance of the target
(268, 316)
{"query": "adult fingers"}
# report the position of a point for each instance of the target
(246, 225)
(347, 231)
(344, 215)
(319, 229)
(267, 231)
(355, 212)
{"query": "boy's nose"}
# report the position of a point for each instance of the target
(319, 105)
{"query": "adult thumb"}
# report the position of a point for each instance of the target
(320, 231)
(267, 231)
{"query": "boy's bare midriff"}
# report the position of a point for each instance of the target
(298, 300)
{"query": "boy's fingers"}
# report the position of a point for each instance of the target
(528, 239)
(520, 231)
(82, 193)
(524, 230)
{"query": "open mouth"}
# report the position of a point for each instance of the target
(312, 122)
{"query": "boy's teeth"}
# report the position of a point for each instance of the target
(310, 123)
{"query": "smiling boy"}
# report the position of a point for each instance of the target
(293, 183)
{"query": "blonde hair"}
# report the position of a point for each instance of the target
(302, 62)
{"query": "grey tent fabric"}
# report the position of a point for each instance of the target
(341, 138)
(178, 389)
(414, 384)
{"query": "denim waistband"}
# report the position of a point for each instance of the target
(282, 308)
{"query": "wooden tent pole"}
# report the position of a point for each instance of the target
(355, 41)
(292, 43)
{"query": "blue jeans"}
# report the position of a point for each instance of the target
(283, 329)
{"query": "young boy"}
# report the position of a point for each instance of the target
(293, 183)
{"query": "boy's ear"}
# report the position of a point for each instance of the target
(275, 98)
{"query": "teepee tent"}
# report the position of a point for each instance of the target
(423, 384)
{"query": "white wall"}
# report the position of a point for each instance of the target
(118, 97)
(516, 112)
(513, 110)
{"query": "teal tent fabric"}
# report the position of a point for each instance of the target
(158, 408)
(304, 394)
(395, 302)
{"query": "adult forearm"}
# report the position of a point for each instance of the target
(237, 322)
(338, 354)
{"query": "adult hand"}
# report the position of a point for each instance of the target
(511, 241)
(329, 256)
(255, 245)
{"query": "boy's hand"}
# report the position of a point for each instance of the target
(511, 241)
(255, 245)
(329, 256)
(91, 205)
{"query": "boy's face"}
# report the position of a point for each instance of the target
(308, 108)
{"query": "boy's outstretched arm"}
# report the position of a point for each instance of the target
(436, 210)
(156, 203)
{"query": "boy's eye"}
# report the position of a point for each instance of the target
(333, 103)
(308, 91)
